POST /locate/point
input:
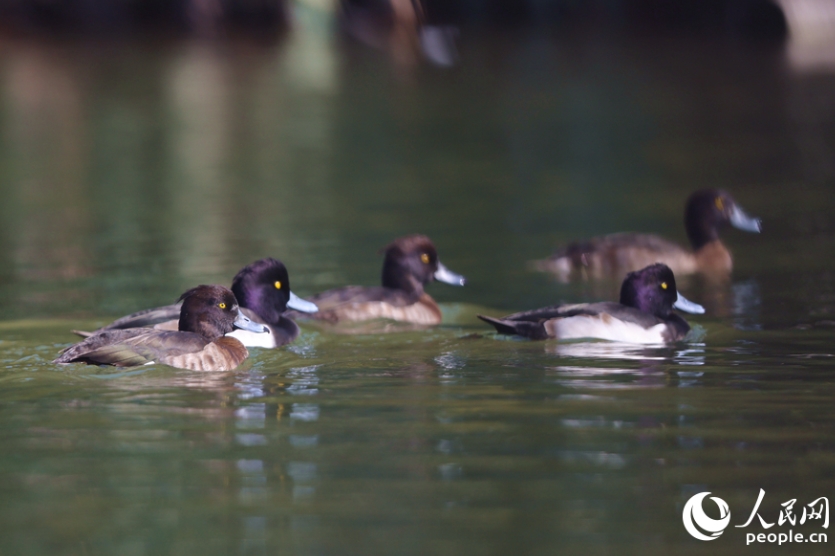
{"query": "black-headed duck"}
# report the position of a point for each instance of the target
(611, 256)
(199, 344)
(643, 316)
(263, 291)
(410, 263)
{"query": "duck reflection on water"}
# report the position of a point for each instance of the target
(656, 367)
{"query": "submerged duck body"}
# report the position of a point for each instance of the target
(707, 211)
(207, 313)
(263, 290)
(644, 314)
(410, 263)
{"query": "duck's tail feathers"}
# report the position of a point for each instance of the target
(502, 327)
(82, 333)
(533, 330)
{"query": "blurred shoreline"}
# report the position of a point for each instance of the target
(757, 19)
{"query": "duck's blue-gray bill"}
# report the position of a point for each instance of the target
(684, 304)
(300, 304)
(743, 222)
(443, 274)
(244, 323)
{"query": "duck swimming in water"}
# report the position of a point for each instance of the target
(199, 344)
(410, 263)
(644, 314)
(707, 211)
(263, 290)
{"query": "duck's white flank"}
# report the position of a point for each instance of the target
(604, 327)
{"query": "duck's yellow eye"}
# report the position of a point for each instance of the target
(277, 284)
(720, 204)
(222, 305)
(663, 285)
(424, 258)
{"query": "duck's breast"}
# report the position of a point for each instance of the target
(713, 258)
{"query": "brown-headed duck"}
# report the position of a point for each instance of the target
(199, 344)
(410, 263)
(612, 256)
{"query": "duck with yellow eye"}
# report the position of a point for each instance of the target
(410, 263)
(707, 211)
(263, 290)
(644, 314)
(200, 343)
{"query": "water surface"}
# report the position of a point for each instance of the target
(132, 172)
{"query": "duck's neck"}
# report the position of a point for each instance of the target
(209, 329)
(700, 230)
(395, 278)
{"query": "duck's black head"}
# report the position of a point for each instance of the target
(651, 290)
(263, 287)
(412, 262)
(709, 210)
(210, 311)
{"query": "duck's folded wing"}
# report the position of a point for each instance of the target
(528, 329)
(531, 324)
(145, 319)
(615, 242)
(613, 254)
(626, 314)
(536, 317)
(330, 300)
(118, 355)
(591, 309)
(124, 348)
(557, 311)
(106, 339)
(361, 294)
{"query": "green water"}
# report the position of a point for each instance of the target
(129, 173)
